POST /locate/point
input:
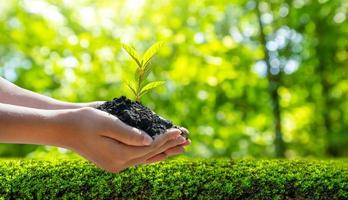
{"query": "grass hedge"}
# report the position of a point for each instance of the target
(197, 179)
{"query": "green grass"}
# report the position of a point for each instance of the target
(177, 179)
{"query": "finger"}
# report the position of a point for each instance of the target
(139, 161)
(162, 139)
(184, 132)
(127, 134)
(156, 158)
(148, 151)
(174, 151)
(178, 141)
(169, 152)
(186, 143)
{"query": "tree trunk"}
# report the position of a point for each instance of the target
(273, 85)
(326, 103)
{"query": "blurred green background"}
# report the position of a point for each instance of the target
(247, 78)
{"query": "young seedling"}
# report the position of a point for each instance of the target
(134, 113)
(143, 70)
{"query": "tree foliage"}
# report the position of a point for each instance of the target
(214, 65)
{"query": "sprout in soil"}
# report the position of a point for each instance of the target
(134, 113)
(141, 86)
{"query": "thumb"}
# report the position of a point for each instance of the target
(129, 135)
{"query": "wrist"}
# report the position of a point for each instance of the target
(65, 126)
(22, 125)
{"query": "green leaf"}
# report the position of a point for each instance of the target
(151, 86)
(150, 53)
(132, 89)
(147, 71)
(132, 52)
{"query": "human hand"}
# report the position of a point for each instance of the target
(151, 158)
(155, 158)
(113, 145)
(161, 150)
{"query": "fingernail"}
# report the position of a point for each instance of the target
(172, 130)
(174, 133)
(147, 139)
(181, 139)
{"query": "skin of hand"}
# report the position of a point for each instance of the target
(114, 146)
(96, 135)
(14, 95)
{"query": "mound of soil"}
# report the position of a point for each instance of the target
(139, 116)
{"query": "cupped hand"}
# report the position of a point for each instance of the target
(112, 144)
(161, 148)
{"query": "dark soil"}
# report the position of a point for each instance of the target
(139, 116)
